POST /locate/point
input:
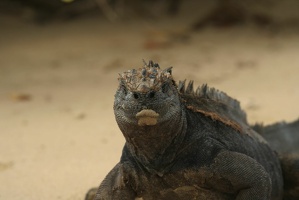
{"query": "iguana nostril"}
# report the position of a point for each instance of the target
(151, 94)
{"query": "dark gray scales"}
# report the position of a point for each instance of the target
(183, 143)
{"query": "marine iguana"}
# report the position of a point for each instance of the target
(183, 143)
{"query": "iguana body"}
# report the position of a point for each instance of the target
(186, 144)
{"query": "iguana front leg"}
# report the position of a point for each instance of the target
(247, 177)
(116, 185)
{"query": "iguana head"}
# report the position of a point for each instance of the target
(149, 113)
(146, 97)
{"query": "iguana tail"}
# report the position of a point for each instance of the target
(290, 172)
(284, 139)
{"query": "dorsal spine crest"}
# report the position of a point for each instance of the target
(204, 91)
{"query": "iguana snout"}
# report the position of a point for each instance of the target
(147, 117)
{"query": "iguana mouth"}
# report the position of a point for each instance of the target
(147, 117)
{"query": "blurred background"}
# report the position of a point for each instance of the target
(59, 64)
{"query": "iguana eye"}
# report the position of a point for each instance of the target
(123, 89)
(135, 95)
(151, 94)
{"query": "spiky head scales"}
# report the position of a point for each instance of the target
(148, 78)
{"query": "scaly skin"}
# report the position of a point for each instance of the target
(186, 144)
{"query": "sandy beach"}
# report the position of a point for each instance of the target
(58, 135)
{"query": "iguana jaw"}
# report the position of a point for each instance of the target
(139, 115)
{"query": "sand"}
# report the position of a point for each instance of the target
(58, 135)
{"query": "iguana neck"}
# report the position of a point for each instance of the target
(156, 147)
